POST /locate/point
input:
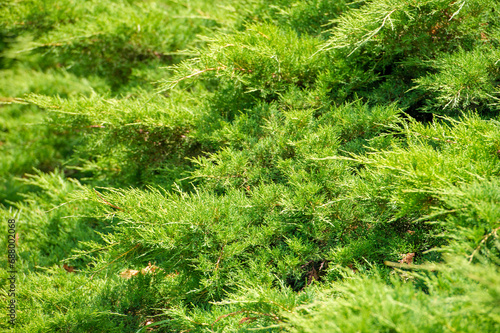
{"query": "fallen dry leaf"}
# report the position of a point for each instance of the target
(150, 269)
(407, 258)
(128, 273)
(149, 322)
(69, 269)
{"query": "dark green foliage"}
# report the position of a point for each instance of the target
(308, 17)
(302, 166)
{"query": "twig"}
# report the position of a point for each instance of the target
(220, 257)
(272, 315)
(174, 83)
(121, 255)
(484, 240)
(105, 201)
(388, 16)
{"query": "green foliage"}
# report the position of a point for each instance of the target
(121, 41)
(300, 166)
(259, 62)
(395, 40)
(361, 304)
(432, 158)
(464, 81)
(307, 17)
(46, 235)
(56, 301)
(145, 132)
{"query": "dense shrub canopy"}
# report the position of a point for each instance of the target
(302, 166)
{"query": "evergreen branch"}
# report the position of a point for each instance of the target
(458, 11)
(59, 43)
(483, 241)
(175, 82)
(374, 32)
(220, 257)
(105, 201)
(272, 315)
(112, 261)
